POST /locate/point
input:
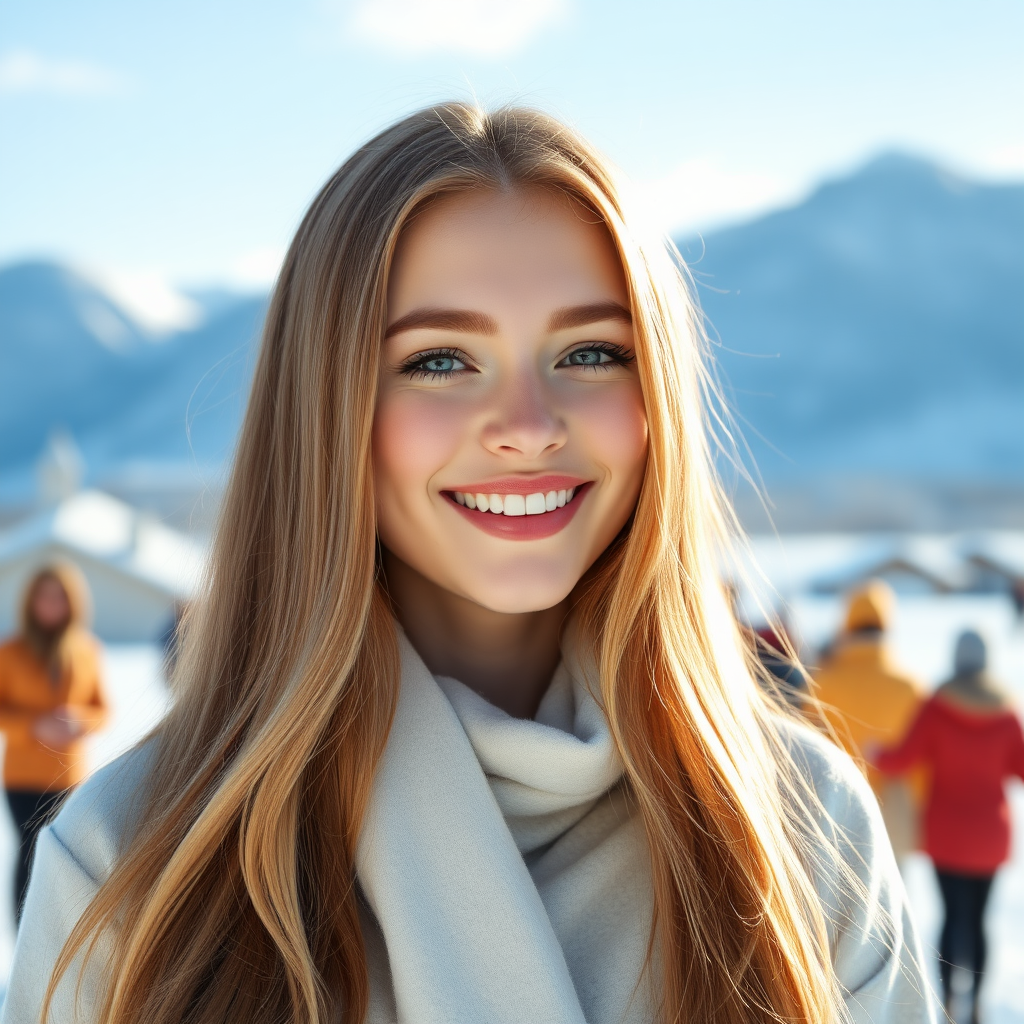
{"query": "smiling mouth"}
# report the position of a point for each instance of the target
(520, 516)
(535, 504)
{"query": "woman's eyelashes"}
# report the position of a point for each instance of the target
(443, 363)
(438, 363)
(597, 355)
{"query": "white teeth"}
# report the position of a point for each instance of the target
(515, 504)
(533, 505)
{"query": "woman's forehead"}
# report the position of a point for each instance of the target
(504, 246)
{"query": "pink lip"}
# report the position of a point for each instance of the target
(523, 527)
(523, 484)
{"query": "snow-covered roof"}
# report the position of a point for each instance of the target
(936, 560)
(831, 563)
(998, 548)
(897, 565)
(102, 527)
(793, 562)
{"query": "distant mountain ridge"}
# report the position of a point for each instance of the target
(71, 359)
(875, 329)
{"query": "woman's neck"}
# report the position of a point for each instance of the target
(508, 659)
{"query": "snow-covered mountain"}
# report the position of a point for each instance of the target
(72, 360)
(875, 330)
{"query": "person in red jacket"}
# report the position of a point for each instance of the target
(969, 737)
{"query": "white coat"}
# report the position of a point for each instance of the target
(504, 872)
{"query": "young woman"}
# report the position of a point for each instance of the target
(464, 729)
(970, 739)
(51, 698)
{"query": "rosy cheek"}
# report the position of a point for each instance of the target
(414, 435)
(616, 431)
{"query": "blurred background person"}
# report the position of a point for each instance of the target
(51, 697)
(1017, 598)
(777, 653)
(868, 700)
(969, 737)
(774, 649)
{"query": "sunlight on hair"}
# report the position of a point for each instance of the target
(466, 26)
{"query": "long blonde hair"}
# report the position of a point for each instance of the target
(235, 898)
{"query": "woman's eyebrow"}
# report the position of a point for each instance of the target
(464, 321)
(592, 313)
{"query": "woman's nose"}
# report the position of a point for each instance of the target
(524, 422)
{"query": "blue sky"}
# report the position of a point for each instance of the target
(180, 141)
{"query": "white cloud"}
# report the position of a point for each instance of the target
(22, 71)
(701, 193)
(257, 268)
(149, 299)
(478, 27)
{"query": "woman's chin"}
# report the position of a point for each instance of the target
(520, 593)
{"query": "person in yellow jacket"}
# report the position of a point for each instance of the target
(869, 702)
(51, 698)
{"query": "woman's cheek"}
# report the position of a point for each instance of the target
(414, 436)
(615, 429)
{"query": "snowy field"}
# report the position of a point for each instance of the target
(923, 638)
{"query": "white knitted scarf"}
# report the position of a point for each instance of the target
(507, 874)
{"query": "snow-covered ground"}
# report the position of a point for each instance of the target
(923, 637)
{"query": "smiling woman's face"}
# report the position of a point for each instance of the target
(510, 437)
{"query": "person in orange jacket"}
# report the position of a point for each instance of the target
(868, 701)
(51, 698)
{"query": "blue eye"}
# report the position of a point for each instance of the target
(443, 363)
(587, 357)
(439, 364)
(598, 355)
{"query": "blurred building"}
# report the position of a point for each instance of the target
(830, 564)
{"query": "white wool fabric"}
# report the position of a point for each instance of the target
(503, 870)
(503, 862)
